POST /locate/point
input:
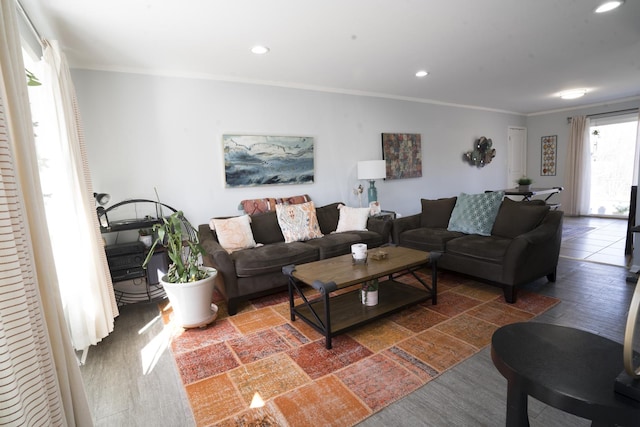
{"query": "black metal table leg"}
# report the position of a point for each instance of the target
(327, 317)
(433, 258)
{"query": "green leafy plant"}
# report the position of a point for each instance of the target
(621, 209)
(183, 251)
(32, 80)
(369, 286)
(524, 180)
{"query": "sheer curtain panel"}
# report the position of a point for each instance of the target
(83, 273)
(578, 170)
(40, 383)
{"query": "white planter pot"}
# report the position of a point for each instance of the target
(191, 302)
(369, 298)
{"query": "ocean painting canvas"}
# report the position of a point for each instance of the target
(251, 160)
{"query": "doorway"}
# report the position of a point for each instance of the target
(613, 164)
(516, 154)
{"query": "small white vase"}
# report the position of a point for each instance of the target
(191, 302)
(369, 298)
(147, 240)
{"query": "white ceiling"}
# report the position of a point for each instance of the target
(510, 55)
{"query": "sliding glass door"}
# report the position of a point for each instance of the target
(613, 162)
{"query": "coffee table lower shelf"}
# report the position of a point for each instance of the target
(346, 310)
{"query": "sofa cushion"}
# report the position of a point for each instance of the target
(293, 200)
(486, 248)
(271, 258)
(335, 244)
(475, 213)
(298, 222)
(436, 213)
(328, 217)
(352, 219)
(258, 206)
(234, 233)
(427, 239)
(265, 228)
(516, 218)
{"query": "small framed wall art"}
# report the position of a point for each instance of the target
(549, 159)
(402, 153)
(251, 160)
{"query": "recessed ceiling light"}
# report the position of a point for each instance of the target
(260, 50)
(422, 73)
(607, 6)
(573, 93)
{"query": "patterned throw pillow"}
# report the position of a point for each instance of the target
(298, 222)
(352, 219)
(475, 213)
(257, 206)
(234, 233)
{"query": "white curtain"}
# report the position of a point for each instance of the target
(578, 170)
(40, 382)
(83, 273)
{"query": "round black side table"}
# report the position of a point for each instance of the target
(566, 368)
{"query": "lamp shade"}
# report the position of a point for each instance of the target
(102, 198)
(372, 169)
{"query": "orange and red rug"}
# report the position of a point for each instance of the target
(260, 350)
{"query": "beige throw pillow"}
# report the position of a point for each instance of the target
(234, 233)
(352, 219)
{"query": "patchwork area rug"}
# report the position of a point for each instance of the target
(569, 232)
(260, 350)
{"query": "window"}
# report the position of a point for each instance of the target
(613, 154)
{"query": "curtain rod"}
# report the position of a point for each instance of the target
(29, 23)
(628, 110)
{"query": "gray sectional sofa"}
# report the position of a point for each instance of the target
(255, 272)
(524, 243)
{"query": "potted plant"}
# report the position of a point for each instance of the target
(188, 284)
(524, 183)
(369, 292)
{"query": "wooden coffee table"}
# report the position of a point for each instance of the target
(332, 313)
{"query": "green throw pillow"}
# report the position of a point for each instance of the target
(475, 213)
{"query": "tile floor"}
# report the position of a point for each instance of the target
(604, 244)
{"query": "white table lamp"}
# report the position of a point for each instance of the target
(372, 170)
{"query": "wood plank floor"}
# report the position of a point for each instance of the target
(131, 378)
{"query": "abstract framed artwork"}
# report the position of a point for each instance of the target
(549, 159)
(252, 160)
(402, 153)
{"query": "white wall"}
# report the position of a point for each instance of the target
(148, 131)
(556, 124)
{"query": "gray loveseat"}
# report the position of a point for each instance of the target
(255, 272)
(524, 244)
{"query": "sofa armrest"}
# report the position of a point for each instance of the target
(549, 229)
(536, 252)
(380, 226)
(403, 224)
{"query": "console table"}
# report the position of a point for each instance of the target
(528, 194)
(566, 368)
